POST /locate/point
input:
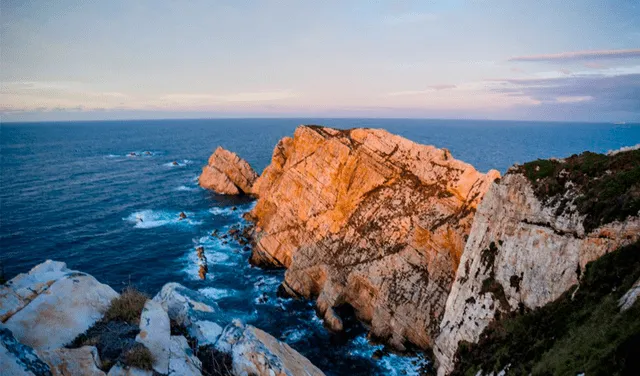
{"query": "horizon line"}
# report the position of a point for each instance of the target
(316, 118)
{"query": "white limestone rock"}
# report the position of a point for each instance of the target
(536, 256)
(155, 334)
(18, 359)
(120, 370)
(83, 361)
(59, 313)
(630, 297)
(24, 287)
(255, 352)
(182, 361)
(200, 315)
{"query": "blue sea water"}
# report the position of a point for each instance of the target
(70, 192)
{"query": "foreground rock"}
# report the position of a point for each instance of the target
(369, 219)
(533, 235)
(253, 351)
(51, 305)
(18, 359)
(155, 334)
(82, 361)
(227, 173)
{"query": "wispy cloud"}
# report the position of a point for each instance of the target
(429, 89)
(581, 55)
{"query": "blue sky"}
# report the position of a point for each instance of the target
(482, 59)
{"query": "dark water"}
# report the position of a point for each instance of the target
(69, 192)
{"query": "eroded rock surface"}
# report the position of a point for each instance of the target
(18, 359)
(155, 334)
(533, 235)
(71, 362)
(256, 352)
(253, 351)
(55, 305)
(370, 219)
(227, 173)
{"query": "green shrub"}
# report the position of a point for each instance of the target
(581, 331)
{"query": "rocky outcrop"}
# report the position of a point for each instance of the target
(18, 359)
(369, 219)
(533, 234)
(255, 352)
(61, 304)
(155, 334)
(51, 305)
(630, 297)
(69, 362)
(226, 173)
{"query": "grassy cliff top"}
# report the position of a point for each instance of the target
(608, 186)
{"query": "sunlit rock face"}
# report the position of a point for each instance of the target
(532, 237)
(226, 173)
(370, 219)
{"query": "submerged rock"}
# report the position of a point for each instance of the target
(369, 219)
(226, 173)
(61, 305)
(532, 237)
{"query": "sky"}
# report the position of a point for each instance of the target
(563, 60)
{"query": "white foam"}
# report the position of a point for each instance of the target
(216, 294)
(146, 219)
(184, 188)
(294, 335)
(181, 163)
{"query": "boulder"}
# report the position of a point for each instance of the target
(155, 334)
(71, 362)
(18, 359)
(368, 219)
(121, 370)
(61, 305)
(21, 289)
(226, 173)
(255, 352)
(630, 297)
(182, 361)
(200, 315)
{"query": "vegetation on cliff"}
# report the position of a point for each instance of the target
(583, 331)
(608, 185)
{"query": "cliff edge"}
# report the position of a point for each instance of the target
(532, 237)
(367, 219)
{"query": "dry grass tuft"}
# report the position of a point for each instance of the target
(139, 357)
(127, 307)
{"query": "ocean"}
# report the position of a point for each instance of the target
(71, 192)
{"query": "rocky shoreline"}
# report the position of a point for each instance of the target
(57, 321)
(426, 251)
(365, 219)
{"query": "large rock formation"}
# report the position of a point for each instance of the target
(369, 219)
(48, 307)
(532, 236)
(227, 173)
